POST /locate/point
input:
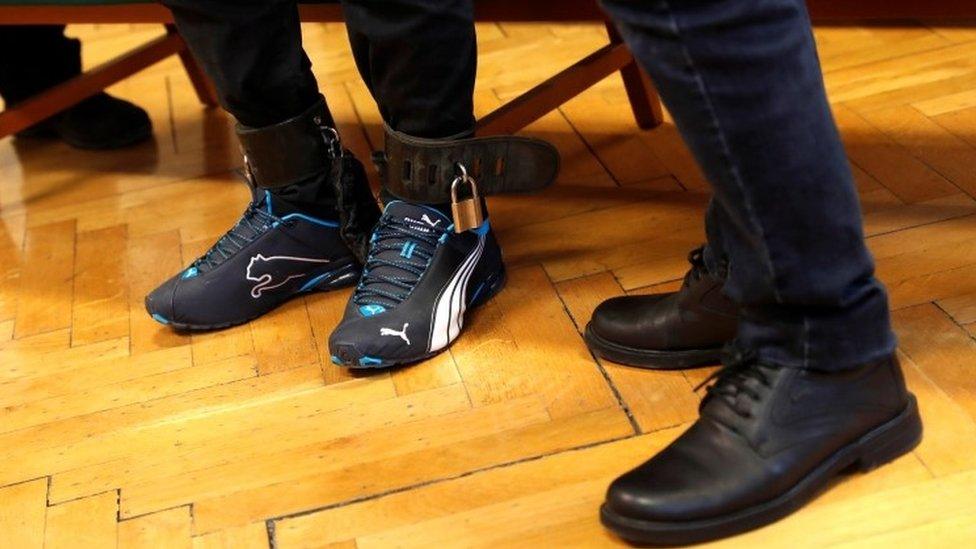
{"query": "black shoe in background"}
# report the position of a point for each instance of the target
(768, 440)
(682, 329)
(100, 122)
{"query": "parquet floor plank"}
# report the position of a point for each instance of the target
(265, 442)
(11, 243)
(929, 142)
(249, 536)
(949, 442)
(45, 296)
(151, 260)
(167, 447)
(23, 514)
(87, 522)
(903, 174)
(100, 308)
(941, 349)
(590, 242)
(87, 439)
(842, 47)
(610, 132)
(961, 308)
(444, 499)
(170, 529)
(283, 339)
(521, 343)
(415, 468)
(657, 398)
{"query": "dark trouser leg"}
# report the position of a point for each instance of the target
(35, 57)
(418, 58)
(744, 84)
(253, 53)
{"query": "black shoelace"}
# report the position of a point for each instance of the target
(733, 380)
(697, 259)
(698, 269)
(387, 282)
(255, 222)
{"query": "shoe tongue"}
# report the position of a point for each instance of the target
(405, 248)
(422, 218)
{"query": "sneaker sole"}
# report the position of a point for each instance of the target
(882, 444)
(325, 285)
(650, 358)
(355, 361)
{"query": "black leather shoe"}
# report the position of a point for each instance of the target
(99, 122)
(767, 441)
(667, 331)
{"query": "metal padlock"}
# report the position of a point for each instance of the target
(467, 213)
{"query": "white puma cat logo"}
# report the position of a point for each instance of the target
(402, 334)
(429, 221)
(267, 271)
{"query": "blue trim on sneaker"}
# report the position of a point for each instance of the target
(190, 273)
(311, 283)
(160, 318)
(370, 361)
(483, 229)
(408, 248)
(310, 219)
(371, 309)
(447, 231)
(336, 360)
(477, 293)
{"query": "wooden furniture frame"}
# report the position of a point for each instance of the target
(511, 117)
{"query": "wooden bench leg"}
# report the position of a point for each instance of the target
(201, 83)
(644, 100)
(85, 85)
(549, 95)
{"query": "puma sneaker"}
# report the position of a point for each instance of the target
(272, 254)
(419, 280)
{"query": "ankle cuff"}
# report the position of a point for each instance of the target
(422, 170)
(290, 151)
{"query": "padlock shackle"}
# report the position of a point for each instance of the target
(460, 179)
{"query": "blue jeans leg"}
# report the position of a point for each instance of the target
(743, 83)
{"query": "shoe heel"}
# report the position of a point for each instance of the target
(342, 277)
(490, 288)
(892, 440)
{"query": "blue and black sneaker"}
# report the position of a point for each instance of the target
(272, 254)
(420, 278)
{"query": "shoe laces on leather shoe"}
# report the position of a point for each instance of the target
(741, 375)
(698, 269)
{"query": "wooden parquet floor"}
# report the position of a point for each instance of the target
(115, 431)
